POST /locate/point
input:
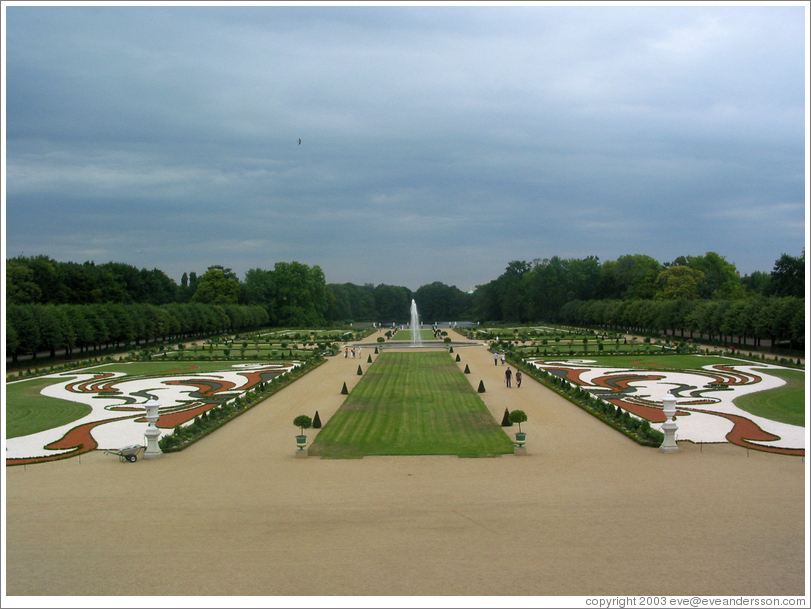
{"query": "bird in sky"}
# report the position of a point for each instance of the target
(299, 141)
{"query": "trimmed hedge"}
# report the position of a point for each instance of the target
(639, 430)
(187, 434)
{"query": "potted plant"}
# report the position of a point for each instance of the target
(519, 416)
(302, 422)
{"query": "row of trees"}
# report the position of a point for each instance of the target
(392, 304)
(31, 328)
(292, 293)
(539, 290)
(778, 319)
(297, 295)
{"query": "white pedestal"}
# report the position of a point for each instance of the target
(153, 451)
(669, 427)
(152, 433)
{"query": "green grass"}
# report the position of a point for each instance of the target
(171, 368)
(412, 404)
(406, 335)
(29, 412)
(785, 404)
(679, 362)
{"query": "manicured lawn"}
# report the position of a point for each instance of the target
(406, 335)
(29, 412)
(680, 362)
(785, 404)
(412, 404)
(169, 367)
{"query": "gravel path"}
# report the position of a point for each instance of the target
(585, 512)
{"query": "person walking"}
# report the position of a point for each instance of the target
(508, 377)
(495, 358)
(503, 358)
(518, 378)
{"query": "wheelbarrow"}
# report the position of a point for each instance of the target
(128, 453)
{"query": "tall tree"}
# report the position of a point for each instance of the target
(788, 276)
(217, 288)
(678, 282)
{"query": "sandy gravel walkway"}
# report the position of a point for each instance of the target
(586, 512)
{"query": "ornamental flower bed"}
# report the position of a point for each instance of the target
(188, 398)
(628, 398)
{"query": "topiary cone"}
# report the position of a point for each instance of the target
(458, 359)
(344, 391)
(467, 369)
(316, 421)
(369, 360)
(505, 422)
(360, 372)
(481, 387)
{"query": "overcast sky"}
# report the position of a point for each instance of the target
(437, 143)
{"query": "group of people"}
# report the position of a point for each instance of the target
(508, 374)
(347, 351)
(508, 377)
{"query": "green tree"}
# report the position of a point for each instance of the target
(630, 276)
(21, 287)
(393, 303)
(25, 329)
(678, 282)
(299, 294)
(439, 302)
(720, 281)
(758, 283)
(788, 276)
(217, 288)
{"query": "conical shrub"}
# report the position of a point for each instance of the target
(481, 387)
(458, 359)
(316, 421)
(369, 360)
(360, 372)
(467, 369)
(505, 422)
(344, 391)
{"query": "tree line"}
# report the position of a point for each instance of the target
(32, 328)
(293, 294)
(688, 294)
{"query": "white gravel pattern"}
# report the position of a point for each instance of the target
(121, 428)
(697, 426)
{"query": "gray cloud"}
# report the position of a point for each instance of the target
(438, 143)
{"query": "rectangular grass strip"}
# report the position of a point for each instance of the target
(416, 403)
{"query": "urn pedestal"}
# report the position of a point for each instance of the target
(152, 433)
(301, 443)
(669, 427)
(520, 439)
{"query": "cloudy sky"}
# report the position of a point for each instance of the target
(437, 143)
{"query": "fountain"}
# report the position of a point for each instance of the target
(416, 339)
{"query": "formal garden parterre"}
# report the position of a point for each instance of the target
(64, 412)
